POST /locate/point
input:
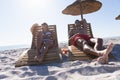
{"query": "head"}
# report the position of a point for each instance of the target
(77, 23)
(80, 25)
(44, 26)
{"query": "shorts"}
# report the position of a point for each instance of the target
(81, 37)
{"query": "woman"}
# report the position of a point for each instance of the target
(45, 40)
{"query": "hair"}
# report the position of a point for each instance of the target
(77, 21)
(44, 24)
(36, 25)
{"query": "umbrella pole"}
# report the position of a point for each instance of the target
(81, 10)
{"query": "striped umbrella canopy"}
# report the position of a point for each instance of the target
(80, 7)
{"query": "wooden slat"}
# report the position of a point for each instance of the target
(77, 55)
(46, 56)
(25, 63)
(45, 59)
(80, 58)
(77, 52)
(28, 58)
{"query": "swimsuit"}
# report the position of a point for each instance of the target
(80, 36)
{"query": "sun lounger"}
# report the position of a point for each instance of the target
(53, 55)
(74, 52)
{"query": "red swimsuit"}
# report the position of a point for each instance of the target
(80, 36)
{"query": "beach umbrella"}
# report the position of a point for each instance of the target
(118, 17)
(80, 7)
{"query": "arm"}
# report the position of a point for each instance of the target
(71, 38)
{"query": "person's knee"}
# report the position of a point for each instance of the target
(81, 41)
(86, 48)
(48, 45)
(100, 40)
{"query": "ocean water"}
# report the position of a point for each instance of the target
(2, 48)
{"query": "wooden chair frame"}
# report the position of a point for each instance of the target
(53, 55)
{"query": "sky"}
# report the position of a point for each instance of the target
(17, 17)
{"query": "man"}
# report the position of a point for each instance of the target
(79, 37)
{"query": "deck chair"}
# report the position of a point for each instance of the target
(75, 53)
(53, 55)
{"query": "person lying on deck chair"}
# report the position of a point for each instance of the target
(45, 41)
(90, 45)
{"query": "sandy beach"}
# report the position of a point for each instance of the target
(26, 24)
(67, 70)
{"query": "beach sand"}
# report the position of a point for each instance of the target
(67, 70)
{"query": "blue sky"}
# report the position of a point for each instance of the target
(17, 16)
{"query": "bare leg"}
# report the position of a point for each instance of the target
(102, 54)
(98, 43)
(40, 56)
(43, 51)
(86, 48)
(104, 59)
(38, 43)
(89, 50)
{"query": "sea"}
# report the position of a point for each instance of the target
(2, 48)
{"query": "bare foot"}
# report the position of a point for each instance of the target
(109, 48)
(35, 58)
(38, 58)
(104, 59)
